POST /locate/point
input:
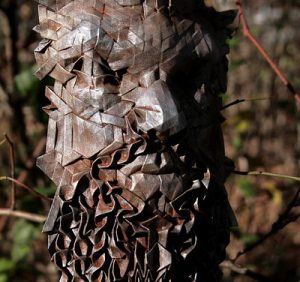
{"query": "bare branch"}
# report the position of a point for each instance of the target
(32, 191)
(24, 173)
(2, 141)
(39, 148)
(23, 214)
(283, 220)
(264, 173)
(247, 33)
(244, 271)
(238, 101)
(12, 171)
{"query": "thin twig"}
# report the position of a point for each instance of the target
(2, 142)
(23, 214)
(12, 171)
(283, 220)
(276, 227)
(238, 101)
(247, 33)
(263, 173)
(32, 191)
(244, 271)
(12, 66)
(291, 204)
(39, 148)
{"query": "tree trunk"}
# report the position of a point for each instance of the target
(134, 141)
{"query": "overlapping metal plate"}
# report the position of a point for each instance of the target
(134, 140)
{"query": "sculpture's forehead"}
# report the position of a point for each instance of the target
(116, 15)
(147, 4)
(129, 33)
(132, 34)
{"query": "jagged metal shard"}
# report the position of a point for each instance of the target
(134, 139)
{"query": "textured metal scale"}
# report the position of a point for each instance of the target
(134, 139)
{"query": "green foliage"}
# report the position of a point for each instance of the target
(47, 190)
(247, 238)
(237, 143)
(22, 234)
(25, 83)
(233, 42)
(3, 277)
(21, 238)
(235, 64)
(247, 187)
(31, 91)
(243, 126)
(5, 266)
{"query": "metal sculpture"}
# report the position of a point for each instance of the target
(134, 140)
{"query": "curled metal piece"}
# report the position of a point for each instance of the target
(134, 139)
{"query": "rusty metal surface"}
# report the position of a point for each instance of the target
(133, 129)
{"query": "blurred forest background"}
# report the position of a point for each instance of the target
(262, 133)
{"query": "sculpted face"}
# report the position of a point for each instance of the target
(133, 81)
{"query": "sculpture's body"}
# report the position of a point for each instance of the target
(134, 130)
